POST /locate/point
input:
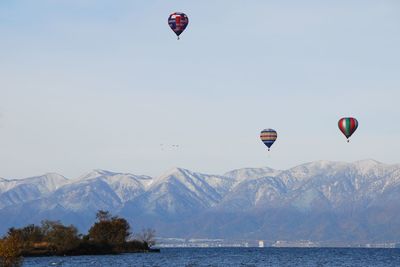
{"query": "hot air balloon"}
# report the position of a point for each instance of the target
(348, 126)
(268, 137)
(178, 22)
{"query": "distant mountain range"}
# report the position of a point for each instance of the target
(319, 201)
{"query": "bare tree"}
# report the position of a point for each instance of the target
(103, 215)
(147, 236)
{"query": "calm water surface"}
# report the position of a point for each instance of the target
(234, 257)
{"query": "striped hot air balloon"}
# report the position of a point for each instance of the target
(268, 137)
(178, 22)
(348, 126)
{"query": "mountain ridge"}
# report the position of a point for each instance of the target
(320, 200)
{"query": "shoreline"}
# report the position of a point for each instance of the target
(73, 254)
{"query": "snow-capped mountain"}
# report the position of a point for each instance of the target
(180, 191)
(23, 190)
(126, 186)
(322, 200)
(251, 173)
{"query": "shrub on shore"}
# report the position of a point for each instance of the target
(108, 235)
(10, 251)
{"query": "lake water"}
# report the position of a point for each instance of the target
(299, 257)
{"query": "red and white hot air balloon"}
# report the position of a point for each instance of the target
(178, 22)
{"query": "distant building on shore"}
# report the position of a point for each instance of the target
(294, 244)
(261, 244)
(381, 245)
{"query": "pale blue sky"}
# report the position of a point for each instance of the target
(101, 84)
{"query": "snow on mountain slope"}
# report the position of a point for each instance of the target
(251, 173)
(324, 195)
(180, 191)
(95, 190)
(126, 186)
(197, 183)
(99, 189)
(23, 190)
(250, 193)
(342, 183)
(320, 184)
(86, 195)
(45, 183)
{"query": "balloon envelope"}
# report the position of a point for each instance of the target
(348, 126)
(268, 137)
(178, 22)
